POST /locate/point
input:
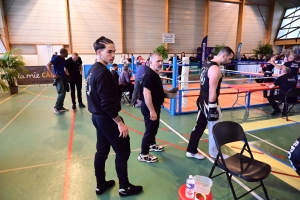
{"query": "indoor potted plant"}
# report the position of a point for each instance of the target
(11, 64)
(162, 51)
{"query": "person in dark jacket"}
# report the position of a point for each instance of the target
(137, 84)
(104, 104)
(285, 82)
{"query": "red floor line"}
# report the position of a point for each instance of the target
(68, 164)
(285, 174)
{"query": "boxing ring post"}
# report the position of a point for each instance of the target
(174, 85)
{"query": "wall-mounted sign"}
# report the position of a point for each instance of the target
(168, 38)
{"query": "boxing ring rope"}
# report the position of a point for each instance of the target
(178, 101)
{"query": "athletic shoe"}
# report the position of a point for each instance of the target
(130, 190)
(215, 156)
(81, 105)
(74, 106)
(275, 112)
(63, 109)
(147, 158)
(194, 155)
(155, 147)
(56, 110)
(137, 105)
(105, 186)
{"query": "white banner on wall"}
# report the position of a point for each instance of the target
(168, 38)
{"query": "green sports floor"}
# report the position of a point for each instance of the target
(48, 156)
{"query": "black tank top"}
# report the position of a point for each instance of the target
(269, 68)
(204, 80)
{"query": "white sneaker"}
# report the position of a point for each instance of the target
(215, 156)
(194, 155)
(147, 158)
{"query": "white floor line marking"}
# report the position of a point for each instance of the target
(267, 142)
(53, 163)
(20, 112)
(211, 160)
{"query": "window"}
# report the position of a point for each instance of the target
(290, 25)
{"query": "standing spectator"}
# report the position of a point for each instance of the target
(55, 54)
(292, 64)
(74, 70)
(137, 84)
(152, 96)
(104, 104)
(209, 111)
(59, 64)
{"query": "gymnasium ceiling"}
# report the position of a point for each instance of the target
(289, 3)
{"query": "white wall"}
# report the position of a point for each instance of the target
(222, 24)
(36, 21)
(92, 19)
(40, 22)
(254, 28)
(186, 21)
(144, 23)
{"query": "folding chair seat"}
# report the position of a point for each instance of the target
(292, 97)
(124, 97)
(240, 165)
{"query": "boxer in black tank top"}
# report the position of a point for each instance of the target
(209, 112)
(268, 71)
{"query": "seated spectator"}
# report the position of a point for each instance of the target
(243, 58)
(285, 82)
(259, 58)
(125, 82)
(123, 59)
(140, 60)
(193, 58)
(169, 68)
(209, 57)
(175, 55)
(140, 71)
(129, 58)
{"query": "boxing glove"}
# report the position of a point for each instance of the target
(213, 113)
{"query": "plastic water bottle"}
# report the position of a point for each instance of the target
(190, 184)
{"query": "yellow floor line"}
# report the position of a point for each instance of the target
(42, 95)
(14, 94)
(276, 165)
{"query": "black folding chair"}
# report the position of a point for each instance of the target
(240, 165)
(292, 97)
(124, 97)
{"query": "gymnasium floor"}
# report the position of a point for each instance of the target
(48, 156)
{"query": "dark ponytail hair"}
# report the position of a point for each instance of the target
(101, 42)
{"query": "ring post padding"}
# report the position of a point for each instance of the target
(174, 85)
(185, 79)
